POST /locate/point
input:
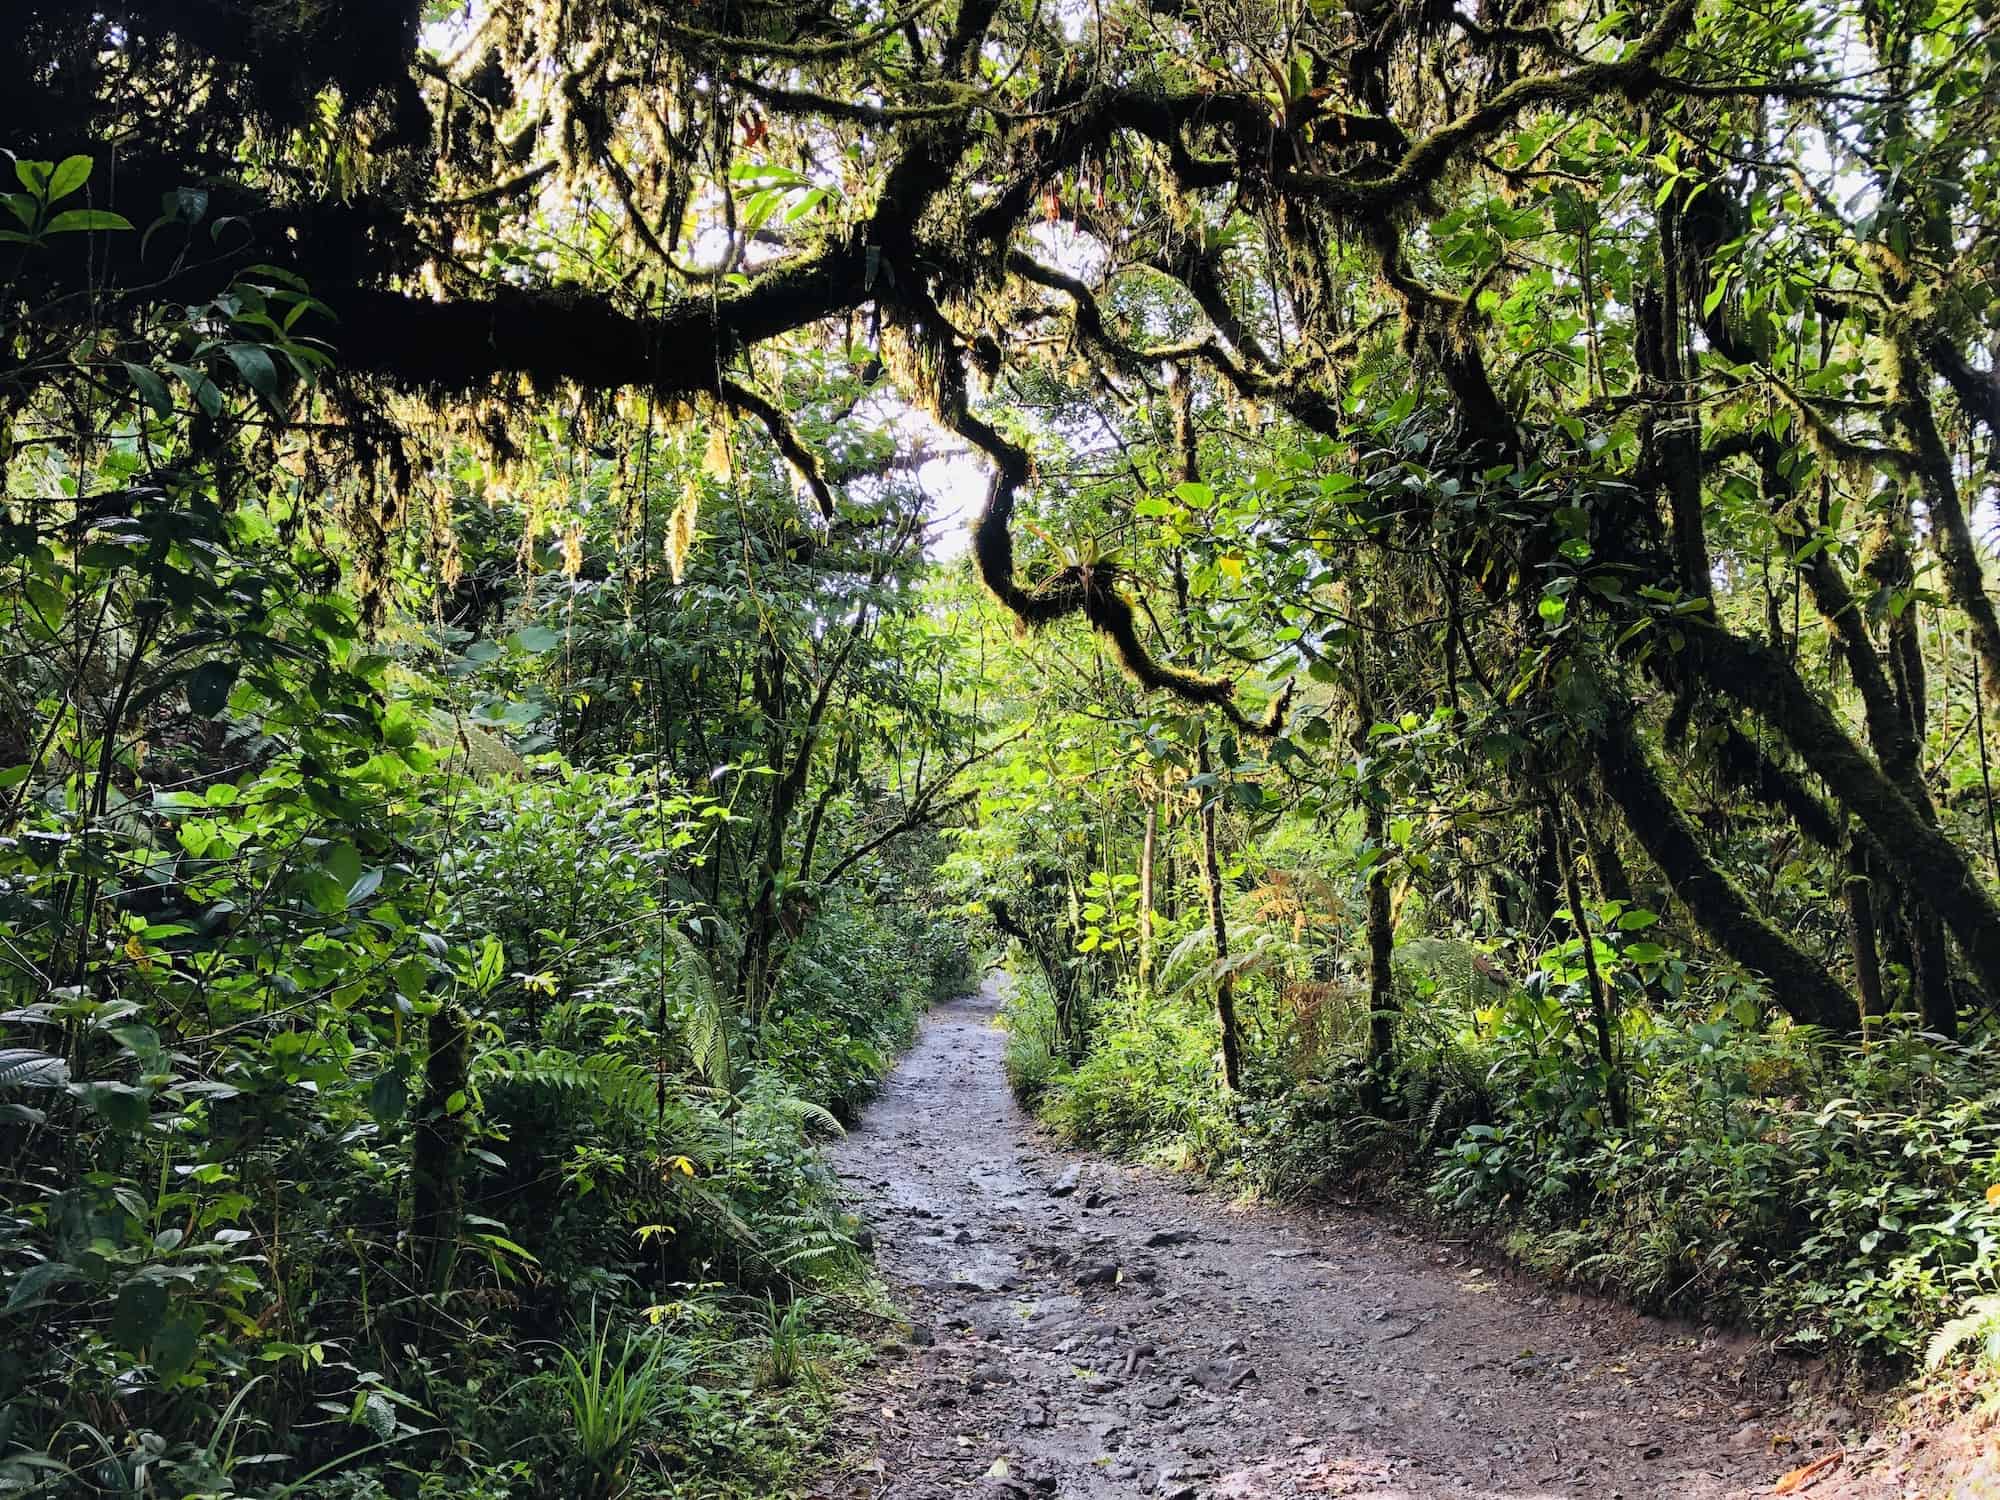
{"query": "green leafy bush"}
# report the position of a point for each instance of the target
(1833, 1200)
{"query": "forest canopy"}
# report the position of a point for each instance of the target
(1691, 307)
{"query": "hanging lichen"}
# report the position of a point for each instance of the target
(680, 530)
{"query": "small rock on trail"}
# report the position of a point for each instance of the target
(1217, 1353)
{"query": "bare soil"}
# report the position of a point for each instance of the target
(1082, 1329)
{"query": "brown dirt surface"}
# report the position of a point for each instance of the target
(1082, 1330)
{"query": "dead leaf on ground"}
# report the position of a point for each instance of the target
(1795, 1480)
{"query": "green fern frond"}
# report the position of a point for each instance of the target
(1174, 973)
(817, 1252)
(1978, 1320)
(719, 1212)
(809, 1114)
(808, 1243)
(487, 756)
(615, 1085)
(711, 1017)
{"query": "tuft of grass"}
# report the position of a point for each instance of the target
(612, 1396)
(788, 1356)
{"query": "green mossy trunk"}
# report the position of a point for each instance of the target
(1858, 896)
(437, 1157)
(1802, 987)
(1924, 861)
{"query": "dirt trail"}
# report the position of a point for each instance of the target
(1087, 1330)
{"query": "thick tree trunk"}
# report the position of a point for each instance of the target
(1859, 899)
(1606, 863)
(1894, 703)
(1937, 996)
(1925, 862)
(1951, 533)
(1050, 953)
(1802, 987)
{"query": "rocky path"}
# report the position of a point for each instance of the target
(1085, 1330)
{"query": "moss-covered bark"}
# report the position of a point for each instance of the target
(1922, 858)
(437, 1153)
(1801, 986)
(1951, 532)
(1858, 896)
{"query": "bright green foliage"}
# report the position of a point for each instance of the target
(374, 1002)
(1495, 511)
(614, 1394)
(1838, 1206)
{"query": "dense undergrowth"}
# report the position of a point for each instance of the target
(1474, 676)
(431, 959)
(1839, 1203)
(235, 1277)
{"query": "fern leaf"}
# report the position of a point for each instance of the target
(486, 755)
(1979, 1319)
(711, 1018)
(616, 1085)
(811, 1115)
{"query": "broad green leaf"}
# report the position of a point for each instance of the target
(388, 1097)
(138, 1314)
(152, 389)
(80, 219)
(37, 1279)
(535, 639)
(72, 174)
(206, 393)
(122, 1106)
(209, 687)
(175, 1345)
(26, 1068)
(255, 366)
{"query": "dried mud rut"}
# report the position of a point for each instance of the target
(1081, 1329)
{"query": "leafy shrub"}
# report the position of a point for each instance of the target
(1835, 1200)
(1832, 1205)
(1032, 1062)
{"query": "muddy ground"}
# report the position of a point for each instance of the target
(1084, 1330)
